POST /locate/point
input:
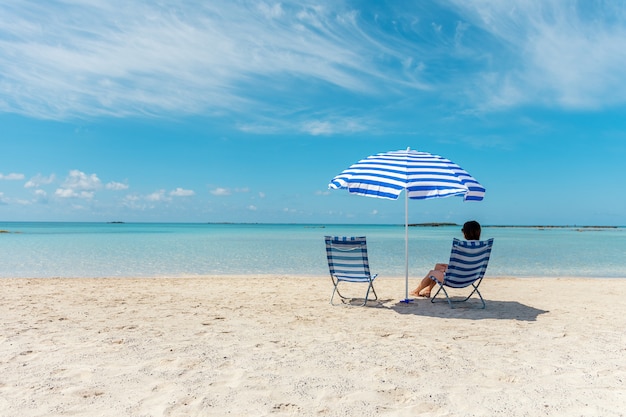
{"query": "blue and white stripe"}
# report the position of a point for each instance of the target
(422, 174)
(347, 262)
(347, 258)
(468, 262)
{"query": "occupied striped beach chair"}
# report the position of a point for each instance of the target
(467, 266)
(348, 263)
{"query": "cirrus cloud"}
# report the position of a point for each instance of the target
(11, 176)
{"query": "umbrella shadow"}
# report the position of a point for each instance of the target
(501, 310)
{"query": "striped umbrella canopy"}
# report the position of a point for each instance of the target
(421, 174)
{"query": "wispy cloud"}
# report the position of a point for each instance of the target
(181, 192)
(129, 58)
(556, 53)
(219, 191)
(155, 199)
(334, 126)
(149, 58)
(41, 196)
(39, 180)
(11, 176)
(116, 186)
(158, 195)
(70, 193)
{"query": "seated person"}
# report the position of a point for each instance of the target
(471, 231)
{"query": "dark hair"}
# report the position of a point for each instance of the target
(471, 230)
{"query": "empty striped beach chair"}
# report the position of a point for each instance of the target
(348, 263)
(467, 266)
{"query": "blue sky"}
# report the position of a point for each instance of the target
(242, 111)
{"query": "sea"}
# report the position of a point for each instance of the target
(55, 249)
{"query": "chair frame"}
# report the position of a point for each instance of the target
(461, 247)
(345, 269)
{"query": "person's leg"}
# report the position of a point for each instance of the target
(426, 291)
(427, 284)
(423, 284)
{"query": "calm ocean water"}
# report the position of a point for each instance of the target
(143, 249)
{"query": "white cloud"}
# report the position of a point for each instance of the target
(252, 208)
(116, 186)
(69, 193)
(219, 191)
(566, 54)
(79, 185)
(132, 198)
(41, 196)
(332, 127)
(157, 196)
(11, 177)
(78, 180)
(261, 194)
(180, 192)
(503, 54)
(65, 193)
(39, 180)
(54, 68)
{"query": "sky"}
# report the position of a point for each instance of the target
(243, 111)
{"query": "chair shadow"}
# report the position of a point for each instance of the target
(470, 310)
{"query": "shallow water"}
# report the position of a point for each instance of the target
(172, 249)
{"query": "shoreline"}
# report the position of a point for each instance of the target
(216, 345)
(413, 278)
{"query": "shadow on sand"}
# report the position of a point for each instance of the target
(470, 310)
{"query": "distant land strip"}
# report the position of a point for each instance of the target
(516, 226)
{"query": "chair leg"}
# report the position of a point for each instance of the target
(479, 295)
(451, 302)
(374, 291)
(441, 287)
(336, 290)
(333, 295)
(369, 287)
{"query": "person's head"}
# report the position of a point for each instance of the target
(471, 230)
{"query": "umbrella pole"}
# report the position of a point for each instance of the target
(406, 248)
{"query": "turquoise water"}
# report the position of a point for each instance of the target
(152, 250)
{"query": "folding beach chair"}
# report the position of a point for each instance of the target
(467, 266)
(347, 262)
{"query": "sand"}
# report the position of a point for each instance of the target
(274, 346)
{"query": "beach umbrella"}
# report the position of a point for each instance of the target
(421, 174)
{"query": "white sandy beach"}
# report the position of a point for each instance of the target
(273, 345)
